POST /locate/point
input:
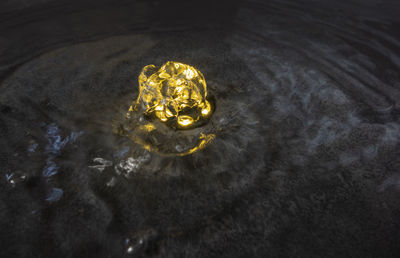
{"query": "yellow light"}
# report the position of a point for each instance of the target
(185, 120)
(148, 127)
(176, 93)
(172, 96)
(206, 109)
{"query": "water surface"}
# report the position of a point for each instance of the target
(305, 162)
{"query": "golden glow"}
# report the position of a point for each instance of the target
(174, 93)
(203, 141)
(185, 120)
(206, 110)
(148, 127)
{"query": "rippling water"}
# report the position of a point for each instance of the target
(305, 162)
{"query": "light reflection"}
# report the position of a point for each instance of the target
(175, 93)
(53, 149)
(185, 120)
(170, 98)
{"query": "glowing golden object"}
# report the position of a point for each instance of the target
(176, 94)
(171, 97)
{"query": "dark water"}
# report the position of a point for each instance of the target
(304, 164)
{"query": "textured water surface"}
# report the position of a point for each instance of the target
(304, 164)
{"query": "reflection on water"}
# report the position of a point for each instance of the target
(103, 164)
(14, 178)
(306, 124)
(53, 149)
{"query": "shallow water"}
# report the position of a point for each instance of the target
(304, 163)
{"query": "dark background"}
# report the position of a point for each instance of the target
(306, 166)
